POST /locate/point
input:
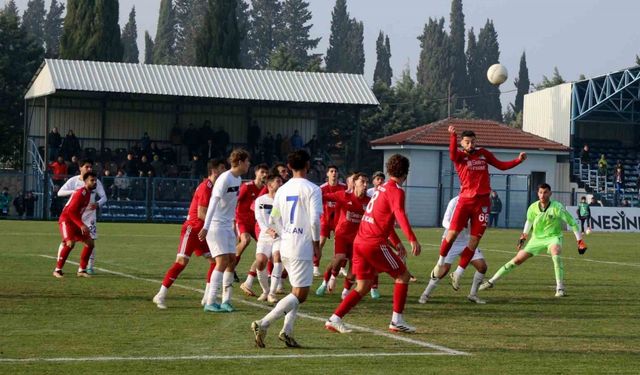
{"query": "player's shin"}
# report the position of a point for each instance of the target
(348, 303)
(433, 283)
(215, 284)
(172, 274)
(400, 291)
(63, 254)
(285, 305)
(504, 270)
(92, 259)
(558, 266)
(477, 280)
(289, 319)
(84, 257)
(465, 257)
(263, 279)
(276, 273)
(227, 287)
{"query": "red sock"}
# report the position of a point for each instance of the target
(348, 303)
(253, 273)
(172, 274)
(348, 283)
(400, 292)
(375, 283)
(316, 261)
(212, 266)
(466, 256)
(327, 276)
(62, 257)
(445, 246)
(84, 257)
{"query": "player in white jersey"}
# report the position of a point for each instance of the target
(89, 216)
(268, 245)
(296, 214)
(219, 233)
(377, 179)
(456, 249)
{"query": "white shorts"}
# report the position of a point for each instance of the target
(300, 272)
(457, 249)
(221, 241)
(90, 221)
(265, 248)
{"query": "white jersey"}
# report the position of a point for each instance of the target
(224, 198)
(463, 236)
(296, 213)
(262, 208)
(98, 195)
(370, 191)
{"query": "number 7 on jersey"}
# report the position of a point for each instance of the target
(294, 199)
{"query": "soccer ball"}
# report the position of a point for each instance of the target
(588, 231)
(497, 74)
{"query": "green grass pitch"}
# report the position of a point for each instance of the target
(108, 324)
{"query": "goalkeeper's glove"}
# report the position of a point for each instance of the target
(523, 239)
(582, 247)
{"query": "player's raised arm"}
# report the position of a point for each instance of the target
(454, 153)
(502, 165)
(67, 189)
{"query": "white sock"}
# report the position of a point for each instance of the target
(440, 261)
(286, 304)
(559, 284)
(433, 283)
(289, 319)
(324, 283)
(206, 292)
(249, 281)
(276, 274)
(263, 279)
(396, 317)
(477, 280)
(92, 259)
(458, 272)
(227, 286)
(163, 291)
(215, 284)
(316, 269)
(335, 318)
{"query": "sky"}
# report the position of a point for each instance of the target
(590, 37)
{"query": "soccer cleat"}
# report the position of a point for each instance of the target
(423, 298)
(345, 292)
(455, 281)
(486, 285)
(289, 341)
(227, 307)
(412, 278)
(83, 273)
(401, 327)
(263, 297)
(476, 299)
(322, 289)
(58, 274)
(91, 271)
(560, 293)
(375, 294)
(272, 299)
(343, 272)
(331, 285)
(316, 271)
(247, 291)
(259, 333)
(235, 277)
(214, 307)
(159, 301)
(281, 291)
(337, 327)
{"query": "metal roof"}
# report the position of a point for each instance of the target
(202, 82)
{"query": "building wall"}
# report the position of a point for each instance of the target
(547, 113)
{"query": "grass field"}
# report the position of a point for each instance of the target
(109, 325)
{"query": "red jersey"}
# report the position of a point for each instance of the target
(200, 198)
(74, 208)
(473, 170)
(249, 191)
(351, 210)
(330, 212)
(384, 209)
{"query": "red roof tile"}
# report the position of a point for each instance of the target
(491, 134)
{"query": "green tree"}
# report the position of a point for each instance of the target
(164, 44)
(219, 40)
(282, 59)
(243, 28)
(265, 33)
(356, 48)
(295, 36)
(53, 29)
(522, 84)
(547, 82)
(459, 80)
(337, 58)
(148, 48)
(33, 20)
(383, 72)
(130, 39)
(77, 30)
(105, 40)
(489, 54)
(434, 69)
(189, 16)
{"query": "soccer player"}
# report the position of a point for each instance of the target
(89, 217)
(266, 242)
(584, 214)
(189, 241)
(371, 253)
(218, 230)
(472, 165)
(545, 218)
(245, 219)
(330, 214)
(73, 229)
(457, 248)
(377, 179)
(296, 213)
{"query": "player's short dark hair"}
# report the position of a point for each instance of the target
(332, 166)
(398, 166)
(238, 155)
(89, 174)
(214, 164)
(298, 160)
(272, 176)
(357, 175)
(583, 198)
(468, 133)
(544, 185)
(85, 161)
(261, 166)
(378, 174)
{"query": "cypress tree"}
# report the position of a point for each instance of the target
(522, 84)
(243, 29)
(219, 40)
(189, 16)
(295, 36)
(164, 44)
(265, 32)
(475, 74)
(53, 29)
(337, 53)
(434, 72)
(105, 40)
(355, 63)
(33, 20)
(459, 80)
(77, 30)
(130, 39)
(489, 53)
(383, 72)
(148, 48)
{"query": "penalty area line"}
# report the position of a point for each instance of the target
(424, 344)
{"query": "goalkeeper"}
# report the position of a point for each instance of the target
(545, 217)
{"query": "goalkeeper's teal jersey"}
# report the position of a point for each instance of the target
(548, 223)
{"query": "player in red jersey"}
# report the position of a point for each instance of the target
(330, 213)
(189, 242)
(472, 165)
(73, 229)
(371, 253)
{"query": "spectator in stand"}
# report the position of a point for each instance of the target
(585, 159)
(121, 186)
(54, 141)
(145, 143)
(30, 204)
(312, 146)
(70, 145)
(618, 180)
(107, 182)
(18, 204)
(195, 167)
(73, 168)
(130, 166)
(594, 202)
(267, 148)
(496, 208)
(173, 171)
(626, 203)
(144, 167)
(155, 150)
(297, 143)
(285, 146)
(158, 166)
(111, 167)
(221, 141)
(136, 150)
(98, 168)
(602, 166)
(59, 171)
(175, 136)
(5, 201)
(253, 137)
(190, 139)
(277, 142)
(209, 150)
(205, 132)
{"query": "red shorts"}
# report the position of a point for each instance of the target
(326, 227)
(71, 232)
(475, 210)
(371, 259)
(343, 245)
(245, 226)
(189, 242)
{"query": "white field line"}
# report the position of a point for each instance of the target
(423, 344)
